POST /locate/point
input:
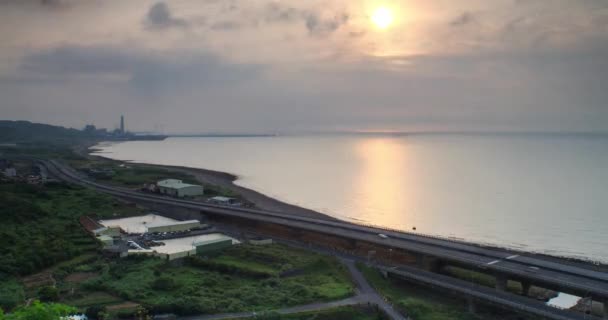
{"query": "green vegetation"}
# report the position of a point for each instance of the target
(341, 313)
(138, 175)
(275, 277)
(25, 132)
(39, 311)
(11, 292)
(423, 304)
(40, 229)
(417, 304)
(490, 281)
(40, 224)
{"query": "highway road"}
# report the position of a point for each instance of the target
(569, 277)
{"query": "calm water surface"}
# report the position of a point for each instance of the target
(533, 192)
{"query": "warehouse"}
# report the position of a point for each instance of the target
(179, 189)
(139, 224)
(175, 226)
(208, 246)
(190, 246)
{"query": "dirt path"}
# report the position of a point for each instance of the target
(366, 295)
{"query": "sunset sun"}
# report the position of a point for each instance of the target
(382, 17)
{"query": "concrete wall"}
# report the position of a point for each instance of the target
(191, 191)
(183, 254)
(175, 227)
(174, 212)
(112, 232)
(260, 242)
(213, 246)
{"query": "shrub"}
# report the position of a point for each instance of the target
(48, 294)
(164, 283)
(94, 312)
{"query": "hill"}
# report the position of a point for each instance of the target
(25, 132)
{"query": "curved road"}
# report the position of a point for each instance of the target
(567, 276)
(365, 295)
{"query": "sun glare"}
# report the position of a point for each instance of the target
(382, 17)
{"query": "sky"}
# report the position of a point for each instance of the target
(272, 66)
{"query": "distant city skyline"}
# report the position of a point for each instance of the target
(269, 66)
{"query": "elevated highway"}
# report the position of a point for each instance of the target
(549, 273)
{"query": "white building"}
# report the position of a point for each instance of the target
(177, 188)
(226, 201)
(10, 172)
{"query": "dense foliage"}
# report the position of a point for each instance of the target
(28, 132)
(194, 288)
(40, 229)
(38, 311)
(40, 226)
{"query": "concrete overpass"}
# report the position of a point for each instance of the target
(427, 251)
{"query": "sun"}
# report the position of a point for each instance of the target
(382, 17)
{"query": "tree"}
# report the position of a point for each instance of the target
(39, 311)
(48, 294)
(95, 312)
(164, 283)
(142, 313)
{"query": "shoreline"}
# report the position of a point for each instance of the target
(262, 201)
(226, 180)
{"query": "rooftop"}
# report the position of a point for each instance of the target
(175, 184)
(187, 243)
(140, 224)
(221, 199)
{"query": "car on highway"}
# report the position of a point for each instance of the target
(382, 235)
(533, 269)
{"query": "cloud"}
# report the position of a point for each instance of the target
(226, 25)
(315, 23)
(320, 26)
(275, 12)
(466, 18)
(160, 17)
(144, 70)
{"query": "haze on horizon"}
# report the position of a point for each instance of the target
(280, 66)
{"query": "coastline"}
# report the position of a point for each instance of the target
(226, 180)
(262, 201)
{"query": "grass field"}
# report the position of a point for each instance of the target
(40, 230)
(423, 304)
(219, 284)
(341, 313)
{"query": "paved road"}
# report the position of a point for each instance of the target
(299, 309)
(448, 285)
(365, 295)
(370, 293)
(571, 278)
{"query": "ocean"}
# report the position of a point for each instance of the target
(544, 193)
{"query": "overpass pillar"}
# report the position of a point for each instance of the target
(352, 244)
(471, 307)
(525, 288)
(420, 261)
(501, 282)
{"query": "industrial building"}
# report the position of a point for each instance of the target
(176, 226)
(179, 189)
(188, 246)
(209, 246)
(226, 201)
